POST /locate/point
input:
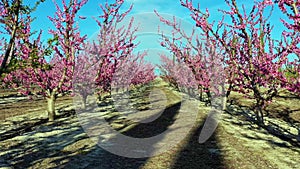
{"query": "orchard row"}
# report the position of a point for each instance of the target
(240, 55)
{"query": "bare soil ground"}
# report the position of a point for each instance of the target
(286, 106)
(14, 104)
(27, 140)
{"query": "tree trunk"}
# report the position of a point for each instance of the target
(229, 90)
(201, 94)
(189, 91)
(259, 112)
(99, 98)
(51, 108)
(209, 97)
(9, 52)
(84, 98)
(10, 48)
(224, 98)
(224, 103)
(262, 121)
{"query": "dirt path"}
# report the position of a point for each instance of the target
(64, 144)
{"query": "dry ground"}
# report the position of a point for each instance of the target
(236, 143)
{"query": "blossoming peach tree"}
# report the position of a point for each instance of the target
(199, 54)
(39, 76)
(290, 44)
(108, 61)
(252, 59)
(15, 16)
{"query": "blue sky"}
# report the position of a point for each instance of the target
(143, 11)
(171, 7)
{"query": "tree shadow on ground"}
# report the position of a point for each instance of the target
(100, 158)
(64, 144)
(248, 118)
(45, 140)
(193, 155)
(28, 125)
(35, 147)
(188, 153)
(288, 95)
(159, 125)
(273, 143)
